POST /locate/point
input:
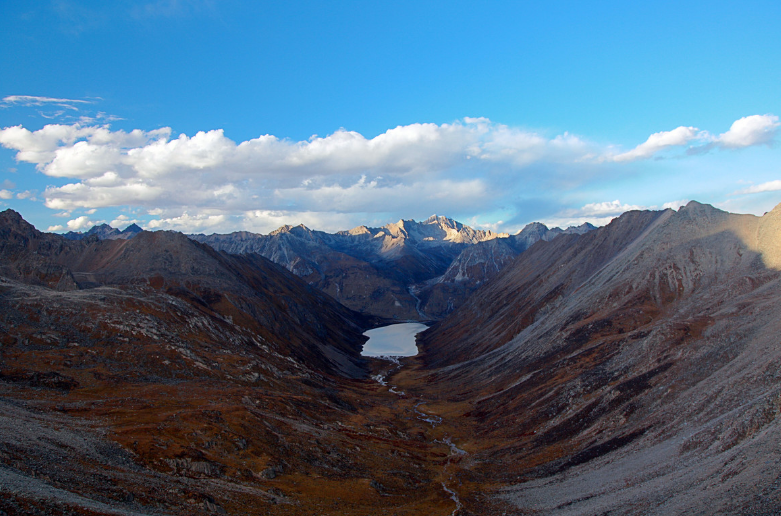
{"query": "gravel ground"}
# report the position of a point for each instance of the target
(43, 454)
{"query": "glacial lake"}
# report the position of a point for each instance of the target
(394, 340)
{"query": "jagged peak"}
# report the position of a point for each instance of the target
(133, 228)
(697, 209)
(287, 228)
(10, 217)
(12, 214)
(359, 230)
(282, 229)
(532, 227)
(443, 222)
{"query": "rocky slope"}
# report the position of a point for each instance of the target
(630, 370)
(247, 288)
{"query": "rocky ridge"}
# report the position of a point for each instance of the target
(479, 263)
(105, 232)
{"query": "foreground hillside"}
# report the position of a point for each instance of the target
(634, 369)
(154, 375)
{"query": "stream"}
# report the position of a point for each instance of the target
(386, 340)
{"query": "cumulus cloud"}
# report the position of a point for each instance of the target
(770, 186)
(123, 221)
(6, 194)
(601, 213)
(744, 132)
(27, 194)
(612, 208)
(658, 142)
(80, 223)
(342, 172)
(207, 180)
(749, 131)
(187, 223)
(675, 205)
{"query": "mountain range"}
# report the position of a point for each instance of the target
(629, 369)
(406, 270)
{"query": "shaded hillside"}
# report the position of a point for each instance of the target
(159, 376)
(264, 297)
(631, 370)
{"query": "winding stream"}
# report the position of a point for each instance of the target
(402, 337)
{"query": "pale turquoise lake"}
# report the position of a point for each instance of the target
(393, 340)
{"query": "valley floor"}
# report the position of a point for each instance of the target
(199, 446)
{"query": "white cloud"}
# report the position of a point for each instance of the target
(39, 147)
(209, 181)
(27, 194)
(123, 221)
(30, 100)
(748, 131)
(675, 205)
(344, 171)
(657, 142)
(6, 194)
(187, 223)
(613, 208)
(79, 223)
(744, 132)
(58, 227)
(770, 186)
(601, 213)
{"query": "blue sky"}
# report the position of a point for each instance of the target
(207, 116)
